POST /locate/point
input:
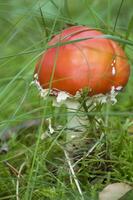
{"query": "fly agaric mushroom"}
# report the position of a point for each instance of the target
(85, 60)
(95, 63)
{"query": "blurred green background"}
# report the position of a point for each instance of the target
(25, 28)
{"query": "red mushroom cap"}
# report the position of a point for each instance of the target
(95, 63)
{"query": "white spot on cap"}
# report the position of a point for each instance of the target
(113, 71)
(118, 88)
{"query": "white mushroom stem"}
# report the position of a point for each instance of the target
(75, 122)
(75, 126)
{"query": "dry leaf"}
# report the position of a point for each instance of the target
(114, 191)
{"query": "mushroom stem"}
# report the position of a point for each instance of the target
(75, 124)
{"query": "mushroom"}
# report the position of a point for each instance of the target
(80, 59)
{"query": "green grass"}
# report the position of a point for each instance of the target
(26, 26)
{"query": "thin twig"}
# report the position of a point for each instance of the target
(11, 168)
(73, 174)
(9, 132)
(18, 178)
